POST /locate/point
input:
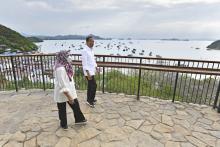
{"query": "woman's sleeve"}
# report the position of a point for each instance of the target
(63, 80)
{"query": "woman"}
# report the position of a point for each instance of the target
(65, 90)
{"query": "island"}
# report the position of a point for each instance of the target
(214, 46)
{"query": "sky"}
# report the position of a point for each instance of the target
(150, 19)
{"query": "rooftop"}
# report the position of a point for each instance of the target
(29, 118)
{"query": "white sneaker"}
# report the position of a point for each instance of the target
(91, 105)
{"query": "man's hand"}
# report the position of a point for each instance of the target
(89, 77)
(97, 70)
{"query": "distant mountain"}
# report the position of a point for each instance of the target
(215, 45)
(69, 37)
(175, 39)
(34, 39)
(12, 41)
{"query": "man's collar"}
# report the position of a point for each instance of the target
(88, 47)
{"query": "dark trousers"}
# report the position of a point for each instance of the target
(78, 115)
(91, 89)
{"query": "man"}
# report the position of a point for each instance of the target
(89, 69)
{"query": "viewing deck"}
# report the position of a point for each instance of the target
(29, 118)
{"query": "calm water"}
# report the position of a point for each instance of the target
(144, 48)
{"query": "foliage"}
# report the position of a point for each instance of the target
(14, 41)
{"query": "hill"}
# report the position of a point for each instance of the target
(70, 37)
(215, 45)
(34, 39)
(12, 41)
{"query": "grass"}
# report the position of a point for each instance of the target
(152, 83)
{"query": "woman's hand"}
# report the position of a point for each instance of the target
(71, 101)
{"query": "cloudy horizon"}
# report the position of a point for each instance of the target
(191, 19)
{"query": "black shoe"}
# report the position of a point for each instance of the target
(81, 122)
(65, 127)
(90, 104)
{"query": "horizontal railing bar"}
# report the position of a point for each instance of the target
(171, 69)
(156, 65)
(131, 57)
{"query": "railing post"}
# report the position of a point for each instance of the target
(42, 72)
(216, 97)
(175, 85)
(139, 80)
(103, 77)
(14, 74)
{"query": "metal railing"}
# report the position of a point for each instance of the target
(194, 81)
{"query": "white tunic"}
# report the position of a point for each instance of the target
(88, 61)
(63, 84)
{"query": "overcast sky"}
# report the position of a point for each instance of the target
(114, 18)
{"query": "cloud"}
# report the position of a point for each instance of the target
(114, 18)
(114, 4)
(178, 2)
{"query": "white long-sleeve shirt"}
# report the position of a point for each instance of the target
(88, 61)
(63, 84)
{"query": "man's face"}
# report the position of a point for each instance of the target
(90, 42)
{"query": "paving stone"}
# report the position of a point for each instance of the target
(146, 129)
(218, 143)
(3, 142)
(31, 143)
(215, 133)
(181, 130)
(30, 135)
(70, 133)
(178, 137)
(131, 116)
(112, 116)
(117, 120)
(13, 144)
(156, 116)
(172, 144)
(18, 136)
(92, 143)
(195, 141)
(167, 120)
(216, 126)
(134, 123)
(205, 121)
(179, 112)
(63, 142)
(117, 144)
(187, 145)
(142, 139)
(213, 117)
(113, 134)
(47, 139)
(87, 134)
(208, 139)
(156, 135)
(128, 130)
(163, 128)
(183, 123)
